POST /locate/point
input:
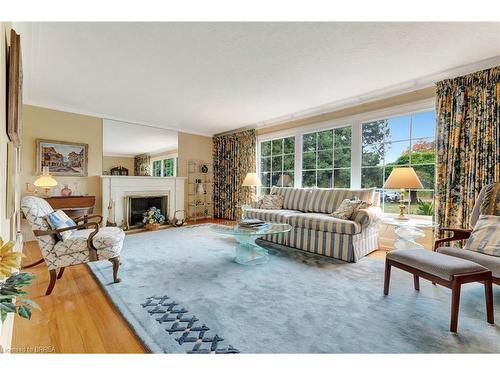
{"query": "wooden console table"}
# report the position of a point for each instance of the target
(73, 206)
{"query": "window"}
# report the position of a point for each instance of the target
(277, 163)
(326, 158)
(400, 141)
(165, 167)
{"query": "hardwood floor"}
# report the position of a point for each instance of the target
(77, 317)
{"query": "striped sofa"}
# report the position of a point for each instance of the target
(315, 230)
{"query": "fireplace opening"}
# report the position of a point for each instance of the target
(138, 204)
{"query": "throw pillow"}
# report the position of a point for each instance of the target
(346, 209)
(272, 202)
(59, 220)
(491, 200)
(361, 206)
(485, 237)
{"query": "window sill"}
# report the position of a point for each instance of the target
(415, 217)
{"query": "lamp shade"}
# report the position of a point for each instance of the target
(251, 179)
(45, 180)
(403, 178)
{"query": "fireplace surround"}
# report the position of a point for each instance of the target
(116, 188)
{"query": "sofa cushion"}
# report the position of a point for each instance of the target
(490, 262)
(59, 220)
(271, 202)
(294, 198)
(276, 216)
(437, 264)
(323, 222)
(485, 237)
(368, 216)
(328, 200)
(106, 240)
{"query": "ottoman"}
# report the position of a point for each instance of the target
(444, 270)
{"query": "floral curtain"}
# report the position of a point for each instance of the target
(468, 143)
(142, 165)
(234, 157)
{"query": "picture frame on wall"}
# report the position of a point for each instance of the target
(62, 158)
(14, 90)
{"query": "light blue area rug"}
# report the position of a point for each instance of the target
(296, 303)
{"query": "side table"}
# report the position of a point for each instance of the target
(408, 231)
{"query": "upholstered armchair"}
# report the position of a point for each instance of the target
(87, 243)
(489, 261)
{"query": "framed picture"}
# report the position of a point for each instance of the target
(62, 158)
(14, 90)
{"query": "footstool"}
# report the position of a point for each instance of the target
(441, 269)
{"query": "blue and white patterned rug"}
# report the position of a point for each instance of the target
(181, 292)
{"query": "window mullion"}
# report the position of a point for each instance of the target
(356, 155)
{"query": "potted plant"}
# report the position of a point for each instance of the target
(153, 218)
(12, 283)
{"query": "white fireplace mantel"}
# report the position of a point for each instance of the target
(117, 188)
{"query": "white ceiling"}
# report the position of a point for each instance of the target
(125, 139)
(209, 78)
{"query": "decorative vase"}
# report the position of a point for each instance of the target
(200, 189)
(66, 191)
(153, 226)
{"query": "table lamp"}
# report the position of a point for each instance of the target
(45, 181)
(402, 178)
(252, 180)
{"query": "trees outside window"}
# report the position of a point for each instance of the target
(165, 167)
(277, 163)
(400, 141)
(326, 158)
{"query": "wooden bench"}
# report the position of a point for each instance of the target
(444, 270)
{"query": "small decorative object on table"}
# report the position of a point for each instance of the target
(66, 191)
(153, 218)
(204, 168)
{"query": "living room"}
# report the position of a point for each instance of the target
(207, 187)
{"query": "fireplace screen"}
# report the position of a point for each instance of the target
(138, 204)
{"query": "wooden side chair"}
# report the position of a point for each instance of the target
(489, 261)
(87, 243)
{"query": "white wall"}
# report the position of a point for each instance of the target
(7, 225)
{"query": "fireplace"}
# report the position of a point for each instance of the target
(136, 205)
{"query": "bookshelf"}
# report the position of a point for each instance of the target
(200, 190)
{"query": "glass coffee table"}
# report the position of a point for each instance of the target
(247, 251)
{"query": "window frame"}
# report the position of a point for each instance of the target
(355, 121)
(259, 157)
(162, 159)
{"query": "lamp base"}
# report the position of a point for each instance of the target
(402, 218)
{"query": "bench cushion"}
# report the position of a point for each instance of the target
(440, 265)
(490, 262)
